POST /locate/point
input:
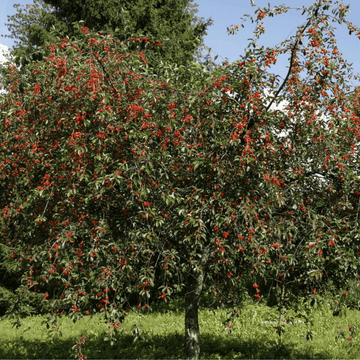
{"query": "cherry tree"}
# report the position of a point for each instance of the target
(109, 173)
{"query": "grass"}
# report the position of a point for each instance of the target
(162, 336)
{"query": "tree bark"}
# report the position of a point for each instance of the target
(194, 284)
(281, 306)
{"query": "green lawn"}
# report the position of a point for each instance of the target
(162, 336)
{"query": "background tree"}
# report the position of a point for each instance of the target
(173, 22)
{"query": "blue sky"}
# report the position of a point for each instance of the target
(228, 12)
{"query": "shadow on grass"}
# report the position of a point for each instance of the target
(154, 347)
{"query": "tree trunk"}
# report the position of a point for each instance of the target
(194, 283)
(281, 306)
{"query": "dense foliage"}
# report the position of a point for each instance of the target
(41, 23)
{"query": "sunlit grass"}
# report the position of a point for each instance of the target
(162, 336)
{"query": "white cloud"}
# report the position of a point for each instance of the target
(4, 52)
